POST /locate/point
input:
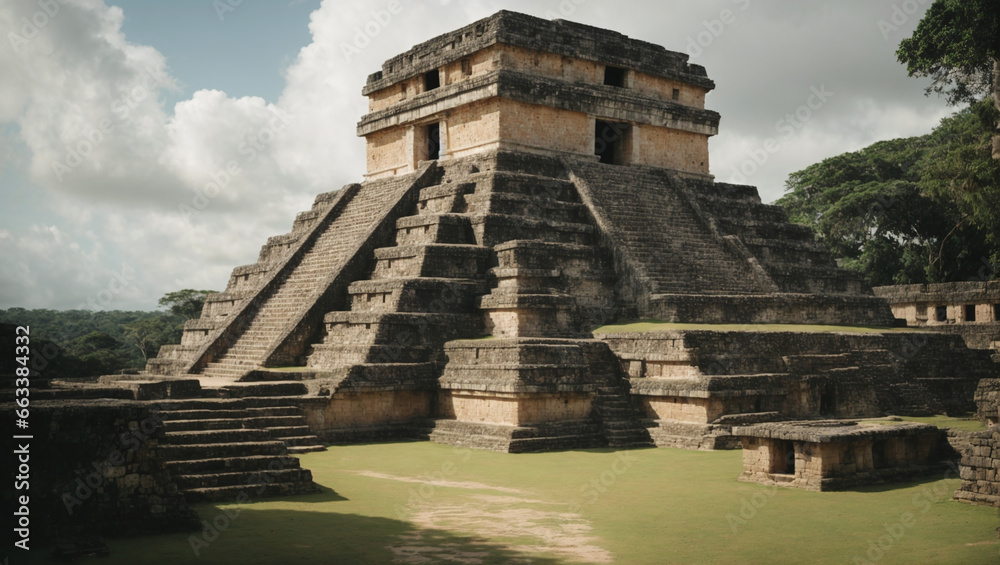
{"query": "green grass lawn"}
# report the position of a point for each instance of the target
(655, 326)
(428, 503)
(969, 424)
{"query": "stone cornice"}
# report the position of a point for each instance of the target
(561, 37)
(605, 101)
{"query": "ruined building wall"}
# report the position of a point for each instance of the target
(671, 149)
(980, 464)
(540, 128)
(969, 309)
(514, 125)
(390, 151)
(980, 469)
(97, 469)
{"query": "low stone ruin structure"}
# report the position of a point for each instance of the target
(694, 385)
(528, 181)
(980, 463)
(980, 469)
(988, 401)
(968, 309)
(837, 454)
(96, 466)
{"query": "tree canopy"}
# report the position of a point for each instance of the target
(187, 303)
(957, 45)
(81, 343)
(922, 209)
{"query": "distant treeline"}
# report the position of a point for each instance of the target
(82, 343)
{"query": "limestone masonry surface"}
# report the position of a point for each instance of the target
(529, 181)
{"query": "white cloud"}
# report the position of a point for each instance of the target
(123, 202)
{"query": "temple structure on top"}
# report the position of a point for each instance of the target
(529, 181)
(517, 83)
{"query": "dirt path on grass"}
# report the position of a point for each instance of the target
(509, 523)
(436, 482)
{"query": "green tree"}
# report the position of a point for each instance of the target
(959, 169)
(187, 303)
(957, 45)
(97, 353)
(148, 334)
(904, 211)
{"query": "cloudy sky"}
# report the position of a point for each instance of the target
(114, 114)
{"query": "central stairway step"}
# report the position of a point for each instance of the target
(253, 491)
(231, 464)
(238, 449)
(215, 436)
(242, 478)
(269, 388)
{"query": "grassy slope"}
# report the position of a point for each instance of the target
(665, 506)
(941, 421)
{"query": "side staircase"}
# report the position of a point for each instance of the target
(621, 420)
(239, 445)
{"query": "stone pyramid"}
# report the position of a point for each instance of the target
(528, 181)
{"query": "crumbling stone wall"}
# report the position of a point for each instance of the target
(95, 468)
(980, 469)
(980, 464)
(988, 401)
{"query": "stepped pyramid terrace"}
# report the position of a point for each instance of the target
(529, 181)
(537, 259)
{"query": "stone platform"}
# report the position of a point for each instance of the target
(694, 385)
(836, 454)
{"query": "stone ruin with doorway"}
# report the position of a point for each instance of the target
(529, 181)
(838, 454)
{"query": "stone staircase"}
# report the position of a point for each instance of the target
(293, 296)
(552, 278)
(621, 420)
(473, 231)
(245, 283)
(421, 293)
(524, 238)
(686, 258)
(218, 448)
(789, 253)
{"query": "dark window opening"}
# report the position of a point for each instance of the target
(466, 67)
(614, 76)
(677, 94)
(996, 312)
(433, 142)
(783, 458)
(879, 458)
(432, 80)
(609, 142)
(970, 312)
(941, 313)
(828, 401)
